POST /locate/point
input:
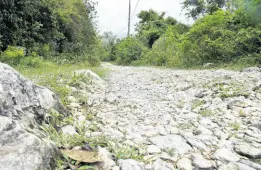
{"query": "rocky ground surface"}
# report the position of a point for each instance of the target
(181, 119)
(138, 118)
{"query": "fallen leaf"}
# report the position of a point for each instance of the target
(83, 155)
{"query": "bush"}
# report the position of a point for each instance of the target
(128, 50)
(12, 55)
(32, 62)
(209, 40)
(165, 51)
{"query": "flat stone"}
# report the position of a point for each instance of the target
(130, 164)
(69, 129)
(162, 165)
(200, 163)
(166, 156)
(152, 149)
(225, 155)
(184, 164)
(168, 142)
(251, 164)
(229, 166)
(242, 166)
(248, 150)
(193, 141)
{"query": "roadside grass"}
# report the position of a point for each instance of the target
(33, 73)
(58, 77)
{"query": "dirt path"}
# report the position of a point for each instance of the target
(183, 119)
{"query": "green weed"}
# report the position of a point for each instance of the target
(235, 126)
(206, 113)
(197, 103)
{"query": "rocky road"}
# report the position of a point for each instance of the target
(182, 119)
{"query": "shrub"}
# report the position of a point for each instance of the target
(31, 62)
(209, 40)
(165, 50)
(12, 55)
(129, 50)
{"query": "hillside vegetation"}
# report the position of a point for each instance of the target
(225, 33)
(35, 31)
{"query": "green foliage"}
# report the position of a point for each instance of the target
(242, 113)
(109, 41)
(153, 25)
(206, 113)
(128, 50)
(233, 90)
(196, 103)
(228, 37)
(197, 8)
(235, 126)
(12, 55)
(209, 40)
(124, 151)
(49, 28)
(164, 51)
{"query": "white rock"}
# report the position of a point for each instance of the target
(152, 149)
(77, 148)
(225, 155)
(200, 163)
(242, 166)
(251, 164)
(130, 164)
(71, 99)
(106, 157)
(75, 105)
(162, 165)
(23, 108)
(248, 150)
(166, 156)
(115, 168)
(184, 164)
(168, 142)
(229, 166)
(96, 134)
(69, 129)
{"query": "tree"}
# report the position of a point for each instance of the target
(153, 25)
(128, 50)
(109, 41)
(198, 8)
(65, 26)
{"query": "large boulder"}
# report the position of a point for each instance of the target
(23, 106)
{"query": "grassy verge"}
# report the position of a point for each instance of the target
(33, 73)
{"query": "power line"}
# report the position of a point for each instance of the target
(135, 9)
(121, 30)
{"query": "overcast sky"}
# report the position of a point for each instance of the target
(113, 14)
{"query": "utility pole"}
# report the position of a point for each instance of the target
(129, 15)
